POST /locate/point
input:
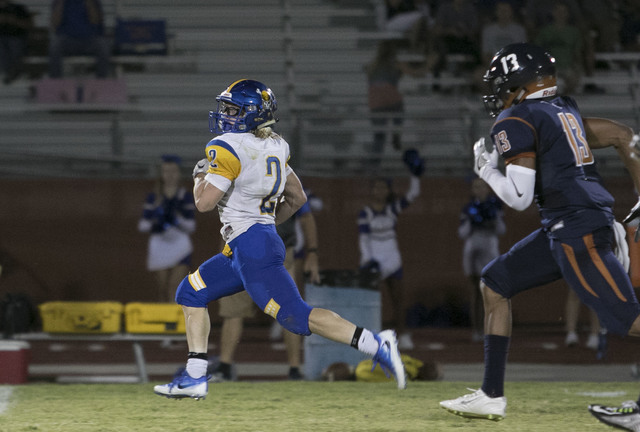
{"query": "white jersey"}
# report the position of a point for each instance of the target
(252, 172)
(377, 232)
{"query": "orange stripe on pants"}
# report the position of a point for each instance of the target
(571, 256)
(604, 271)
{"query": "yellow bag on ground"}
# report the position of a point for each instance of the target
(416, 370)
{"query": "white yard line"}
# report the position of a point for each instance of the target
(5, 396)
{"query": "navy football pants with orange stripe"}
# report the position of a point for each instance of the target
(587, 264)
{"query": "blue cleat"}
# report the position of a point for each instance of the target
(389, 357)
(184, 386)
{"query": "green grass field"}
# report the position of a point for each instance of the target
(299, 406)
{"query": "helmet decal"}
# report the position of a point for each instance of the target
(266, 99)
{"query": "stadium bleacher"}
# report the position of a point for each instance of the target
(311, 52)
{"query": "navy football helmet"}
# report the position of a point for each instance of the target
(244, 106)
(516, 72)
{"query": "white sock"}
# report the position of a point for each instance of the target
(367, 343)
(197, 367)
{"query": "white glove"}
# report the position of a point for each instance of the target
(622, 248)
(201, 167)
(633, 220)
(483, 158)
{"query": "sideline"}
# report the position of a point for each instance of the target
(5, 396)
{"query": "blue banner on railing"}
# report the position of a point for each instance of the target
(140, 37)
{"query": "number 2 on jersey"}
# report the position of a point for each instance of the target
(576, 139)
(268, 204)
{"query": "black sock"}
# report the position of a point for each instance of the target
(356, 337)
(224, 368)
(496, 349)
(202, 356)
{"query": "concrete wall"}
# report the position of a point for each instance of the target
(78, 240)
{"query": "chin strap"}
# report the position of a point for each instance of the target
(521, 95)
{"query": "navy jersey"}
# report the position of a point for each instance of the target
(568, 191)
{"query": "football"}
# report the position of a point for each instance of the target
(339, 371)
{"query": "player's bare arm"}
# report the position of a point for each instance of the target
(310, 232)
(603, 133)
(293, 197)
(205, 194)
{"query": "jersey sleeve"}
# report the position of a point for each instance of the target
(224, 159)
(514, 137)
(224, 165)
(363, 222)
(306, 208)
(287, 169)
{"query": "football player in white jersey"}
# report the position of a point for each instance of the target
(246, 176)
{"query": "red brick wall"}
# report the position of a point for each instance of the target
(78, 239)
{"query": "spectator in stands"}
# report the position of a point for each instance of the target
(564, 41)
(15, 25)
(379, 251)
(386, 103)
(630, 31)
(77, 28)
(487, 9)
(457, 31)
(234, 309)
(503, 30)
(481, 225)
(539, 13)
(411, 18)
(602, 21)
(168, 216)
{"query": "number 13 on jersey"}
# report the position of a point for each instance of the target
(575, 136)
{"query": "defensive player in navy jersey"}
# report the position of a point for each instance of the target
(246, 176)
(546, 146)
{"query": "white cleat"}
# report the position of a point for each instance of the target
(593, 341)
(389, 357)
(626, 416)
(477, 405)
(184, 386)
(571, 339)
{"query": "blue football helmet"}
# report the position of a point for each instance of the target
(517, 71)
(244, 106)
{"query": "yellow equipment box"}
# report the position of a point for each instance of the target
(81, 317)
(166, 318)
